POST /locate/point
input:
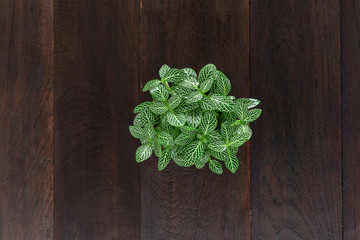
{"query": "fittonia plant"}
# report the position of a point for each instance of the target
(192, 120)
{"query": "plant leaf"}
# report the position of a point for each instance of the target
(206, 85)
(207, 72)
(190, 72)
(194, 97)
(159, 93)
(218, 146)
(137, 132)
(194, 152)
(158, 108)
(181, 91)
(237, 140)
(245, 130)
(149, 132)
(164, 68)
(157, 149)
(222, 84)
(226, 131)
(144, 118)
(203, 161)
(222, 103)
(164, 138)
(215, 166)
(228, 116)
(193, 118)
(240, 109)
(248, 102)
(208, 122)
(176, 119)
(164, 160)
(252, 115)
(189, 82)
(186, 107)
(231, 162)
(151, 84)
(174, 75)
(142, 106)
(174, 101)
(143, 152)
(207, 104)
(214, 136)
(185, 138)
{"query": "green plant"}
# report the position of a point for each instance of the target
(192, 120)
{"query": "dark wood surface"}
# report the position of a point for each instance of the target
(26, 120)
(185, 203)
(97, 184)
(71, 72)
(296, 188)
(351, 117)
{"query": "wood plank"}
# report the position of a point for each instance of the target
(26, 119)
(350, 11)
(296, 149)
(96, 80)
(186, 203)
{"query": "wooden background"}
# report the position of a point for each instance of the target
(71, 72)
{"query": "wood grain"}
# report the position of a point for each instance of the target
(26, 120)
(186, 203)
(97, 194)
(350, 12)
(296, 147)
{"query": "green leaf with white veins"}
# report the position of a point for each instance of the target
(244, 130)
(207, 104)
(143, 153)
(194, 97)
(151, 84)
(189, 82)
(213, 136)
(237, 140)
(222, 103)
(159, 93)
(208, 122)
(158, 108)
(185, 138)
(174, 75)
(248, 102)
(207, 72)
(164, 160)
(176, 119)
(193, 118)
(222, 84)
(149, 131)
(194, 152)
(252, 115)
(206, 85)
(203, 161)
(226, 131)
(157, 149)
(174, 101)
(187, 107)
(215, 166)
(164, 138)
(181, 91)
(144, 117)
(137, 132)
(163, 70)
(190, 72)
(218, 146)
(142, 106)
(231, 162)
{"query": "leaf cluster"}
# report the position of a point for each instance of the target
(193, 120)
